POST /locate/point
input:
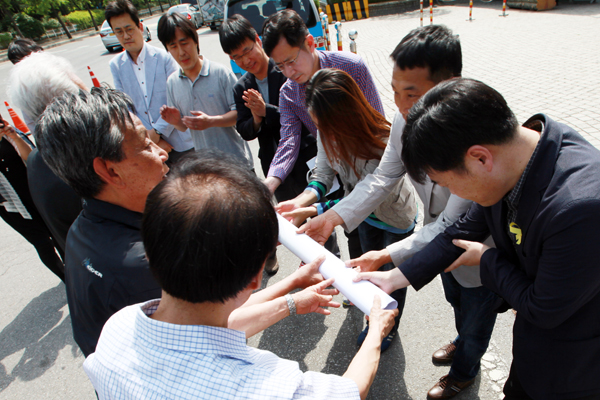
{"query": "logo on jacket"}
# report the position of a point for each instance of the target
(88, 265)
(514, 228)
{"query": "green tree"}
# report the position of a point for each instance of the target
(8, 11)
(85, 5)
(49, 7)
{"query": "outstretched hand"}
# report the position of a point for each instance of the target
(472, 255)
(388, 281)
(315, 298)
(318, 228)
(300, 215)
(287, 206)
(308, 274)
(381, 321)
(370, 261)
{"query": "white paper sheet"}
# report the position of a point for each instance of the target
(360, 293)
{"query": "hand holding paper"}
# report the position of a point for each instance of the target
(360, 293)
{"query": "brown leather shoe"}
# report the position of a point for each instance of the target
(445, 354)
(446, 388)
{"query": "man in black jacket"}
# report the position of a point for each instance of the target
(537, 191)
(104, 153)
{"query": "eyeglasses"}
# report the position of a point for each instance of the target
(281, 66)
(243, 55)
(129, 30)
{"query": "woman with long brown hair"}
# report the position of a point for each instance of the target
(351, 139)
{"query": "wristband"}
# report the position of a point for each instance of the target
(291, 304)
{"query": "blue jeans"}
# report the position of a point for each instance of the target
(372, 238)
(474, 317)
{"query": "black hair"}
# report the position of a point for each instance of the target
(76, 128)
(234, 31)
(286, 23)
(20, 48)
(120, 7)
(448, 120)
(168, 24)
(433, 47)
(208, 228)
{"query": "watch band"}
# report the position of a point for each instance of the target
(291, 304)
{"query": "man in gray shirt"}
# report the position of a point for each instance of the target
(200, 94)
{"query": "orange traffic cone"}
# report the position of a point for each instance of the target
(95, 80)
(17, 121)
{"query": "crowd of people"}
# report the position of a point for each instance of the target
(143, 199)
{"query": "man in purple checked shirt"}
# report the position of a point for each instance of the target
(287, 41)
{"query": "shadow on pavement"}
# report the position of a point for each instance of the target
(35, 331)
(294, 338)
(344, 347)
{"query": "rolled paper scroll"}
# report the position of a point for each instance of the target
(360, 293)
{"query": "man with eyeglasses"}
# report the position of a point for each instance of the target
(141, 71)
(256, 96)
(293, 49)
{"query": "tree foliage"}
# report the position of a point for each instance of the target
(29, 26)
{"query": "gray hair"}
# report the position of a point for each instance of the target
(75, 129)
(38, 79)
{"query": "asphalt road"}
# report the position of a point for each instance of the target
(39, 359)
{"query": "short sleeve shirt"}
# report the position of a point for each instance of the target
(211, 93)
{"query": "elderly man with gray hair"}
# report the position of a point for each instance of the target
(96, 143)
(31, 89)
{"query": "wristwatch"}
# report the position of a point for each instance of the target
(291, 304)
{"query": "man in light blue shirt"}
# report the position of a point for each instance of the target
(208, 229)
(141, 71)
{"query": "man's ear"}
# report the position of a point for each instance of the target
(257, 40)
(141, 27)
(479, 157)
(107, 172)
(255, 283)
(310, 42)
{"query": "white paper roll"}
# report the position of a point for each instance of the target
(360, 293)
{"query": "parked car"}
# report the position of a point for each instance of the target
(109, 39)
(212, 11)
(257, 12)
(189, 11)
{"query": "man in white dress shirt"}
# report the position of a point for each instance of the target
(141, 71)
